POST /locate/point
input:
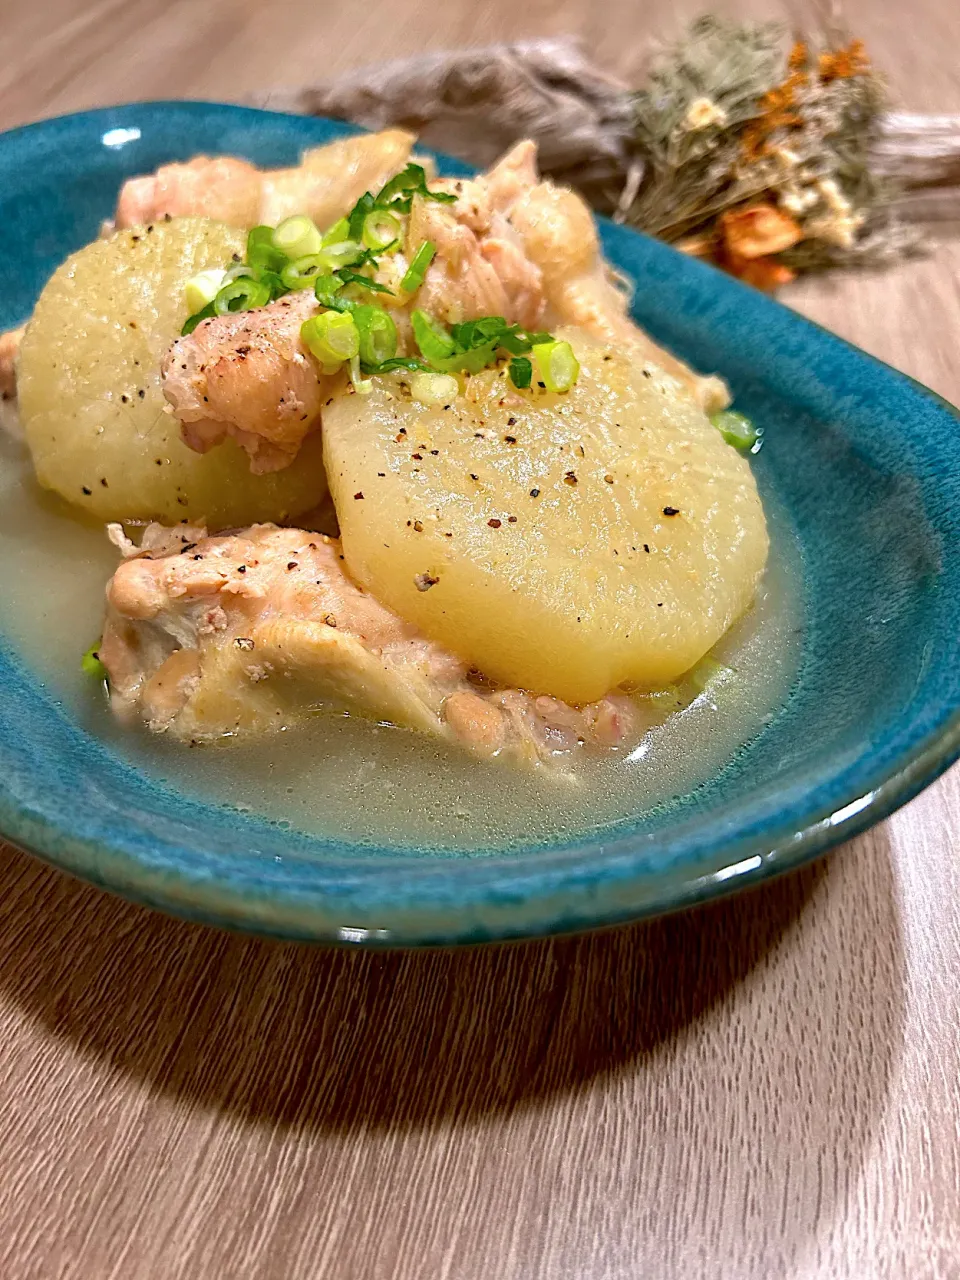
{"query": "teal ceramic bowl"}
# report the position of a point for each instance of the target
(865, 464)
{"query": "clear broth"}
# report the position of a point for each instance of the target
(349, 778)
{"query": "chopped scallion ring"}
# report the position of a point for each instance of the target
(736, 429)
(434, 388)
(557, 365)
(361, 385)
(304, 272)
(261, 252)
(332, 337)
(378, 334)
(345, 253)
(417, 269)
(202, 288)
(241, 295)
(339, 231)
(381, 230)
(91, 665)
(521, 372)
(297, 236)
(431, 337)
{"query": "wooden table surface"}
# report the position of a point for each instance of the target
(767, 1087)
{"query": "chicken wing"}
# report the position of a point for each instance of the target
(208, 637)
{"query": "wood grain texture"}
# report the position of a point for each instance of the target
(766, 1087)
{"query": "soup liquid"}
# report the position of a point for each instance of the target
(346, 777)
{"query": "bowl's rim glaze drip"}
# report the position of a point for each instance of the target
(64, 797)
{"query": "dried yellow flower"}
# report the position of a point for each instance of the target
(702, 113)
(758, 230)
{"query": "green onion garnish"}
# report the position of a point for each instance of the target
(398, 193)
(339, 231)
(241, 295)
(736, 429)
(91, 665)
(378, 334)
(417, 269)
(297, 236)
(361, 385)
(410, 363)
(190, 324)
(432, 338)
(332, 337)
(261, 251)
(557, 365)
(381, 230)
(202, 288)
(304, 272)
(521, 372)
(345, 253)
(434, 388)
(354, 277)
(358, 215)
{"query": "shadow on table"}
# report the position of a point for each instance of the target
(333, 1039)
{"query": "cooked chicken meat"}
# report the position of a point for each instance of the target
(509, 245)
(327, 181)
(248, 376)
(209, 636)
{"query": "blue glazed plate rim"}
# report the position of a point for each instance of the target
(497, 897)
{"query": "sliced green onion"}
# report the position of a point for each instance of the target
(521, 372)
(431, 337)
(241, 295)
(400, 190)
(378, 334)
(410, 363)
(202, 288)
(365, 282)
(345, 253)
(327, 289)
(434, 388)
(91, 665)
(239, 270)
(381, 230)
(357, 215)
(297, 236)
(417, 269)
(736, 429)
(197, 318)
(331, 337)
(339, 231)
(557, 365)
(274, 283)
(362, 385)
(261, 251)
(304, 272)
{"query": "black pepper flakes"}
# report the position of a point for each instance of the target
(244, 643)
(671, 511)
(435, 452)
(103, 481)
(494, 524)
(534, 493)
(86, 490)
(124, 399)
(570, 478)
(510, 439)
(358, 496)
(330, 620)
(424, 581)
(608, 479)
(646, 548)
(511, 519)
(382, 474)
(418, 526)
(141, 393)
(417, 457)
(511, 422)
(291, 564)
(474, 476)
(241, 568)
